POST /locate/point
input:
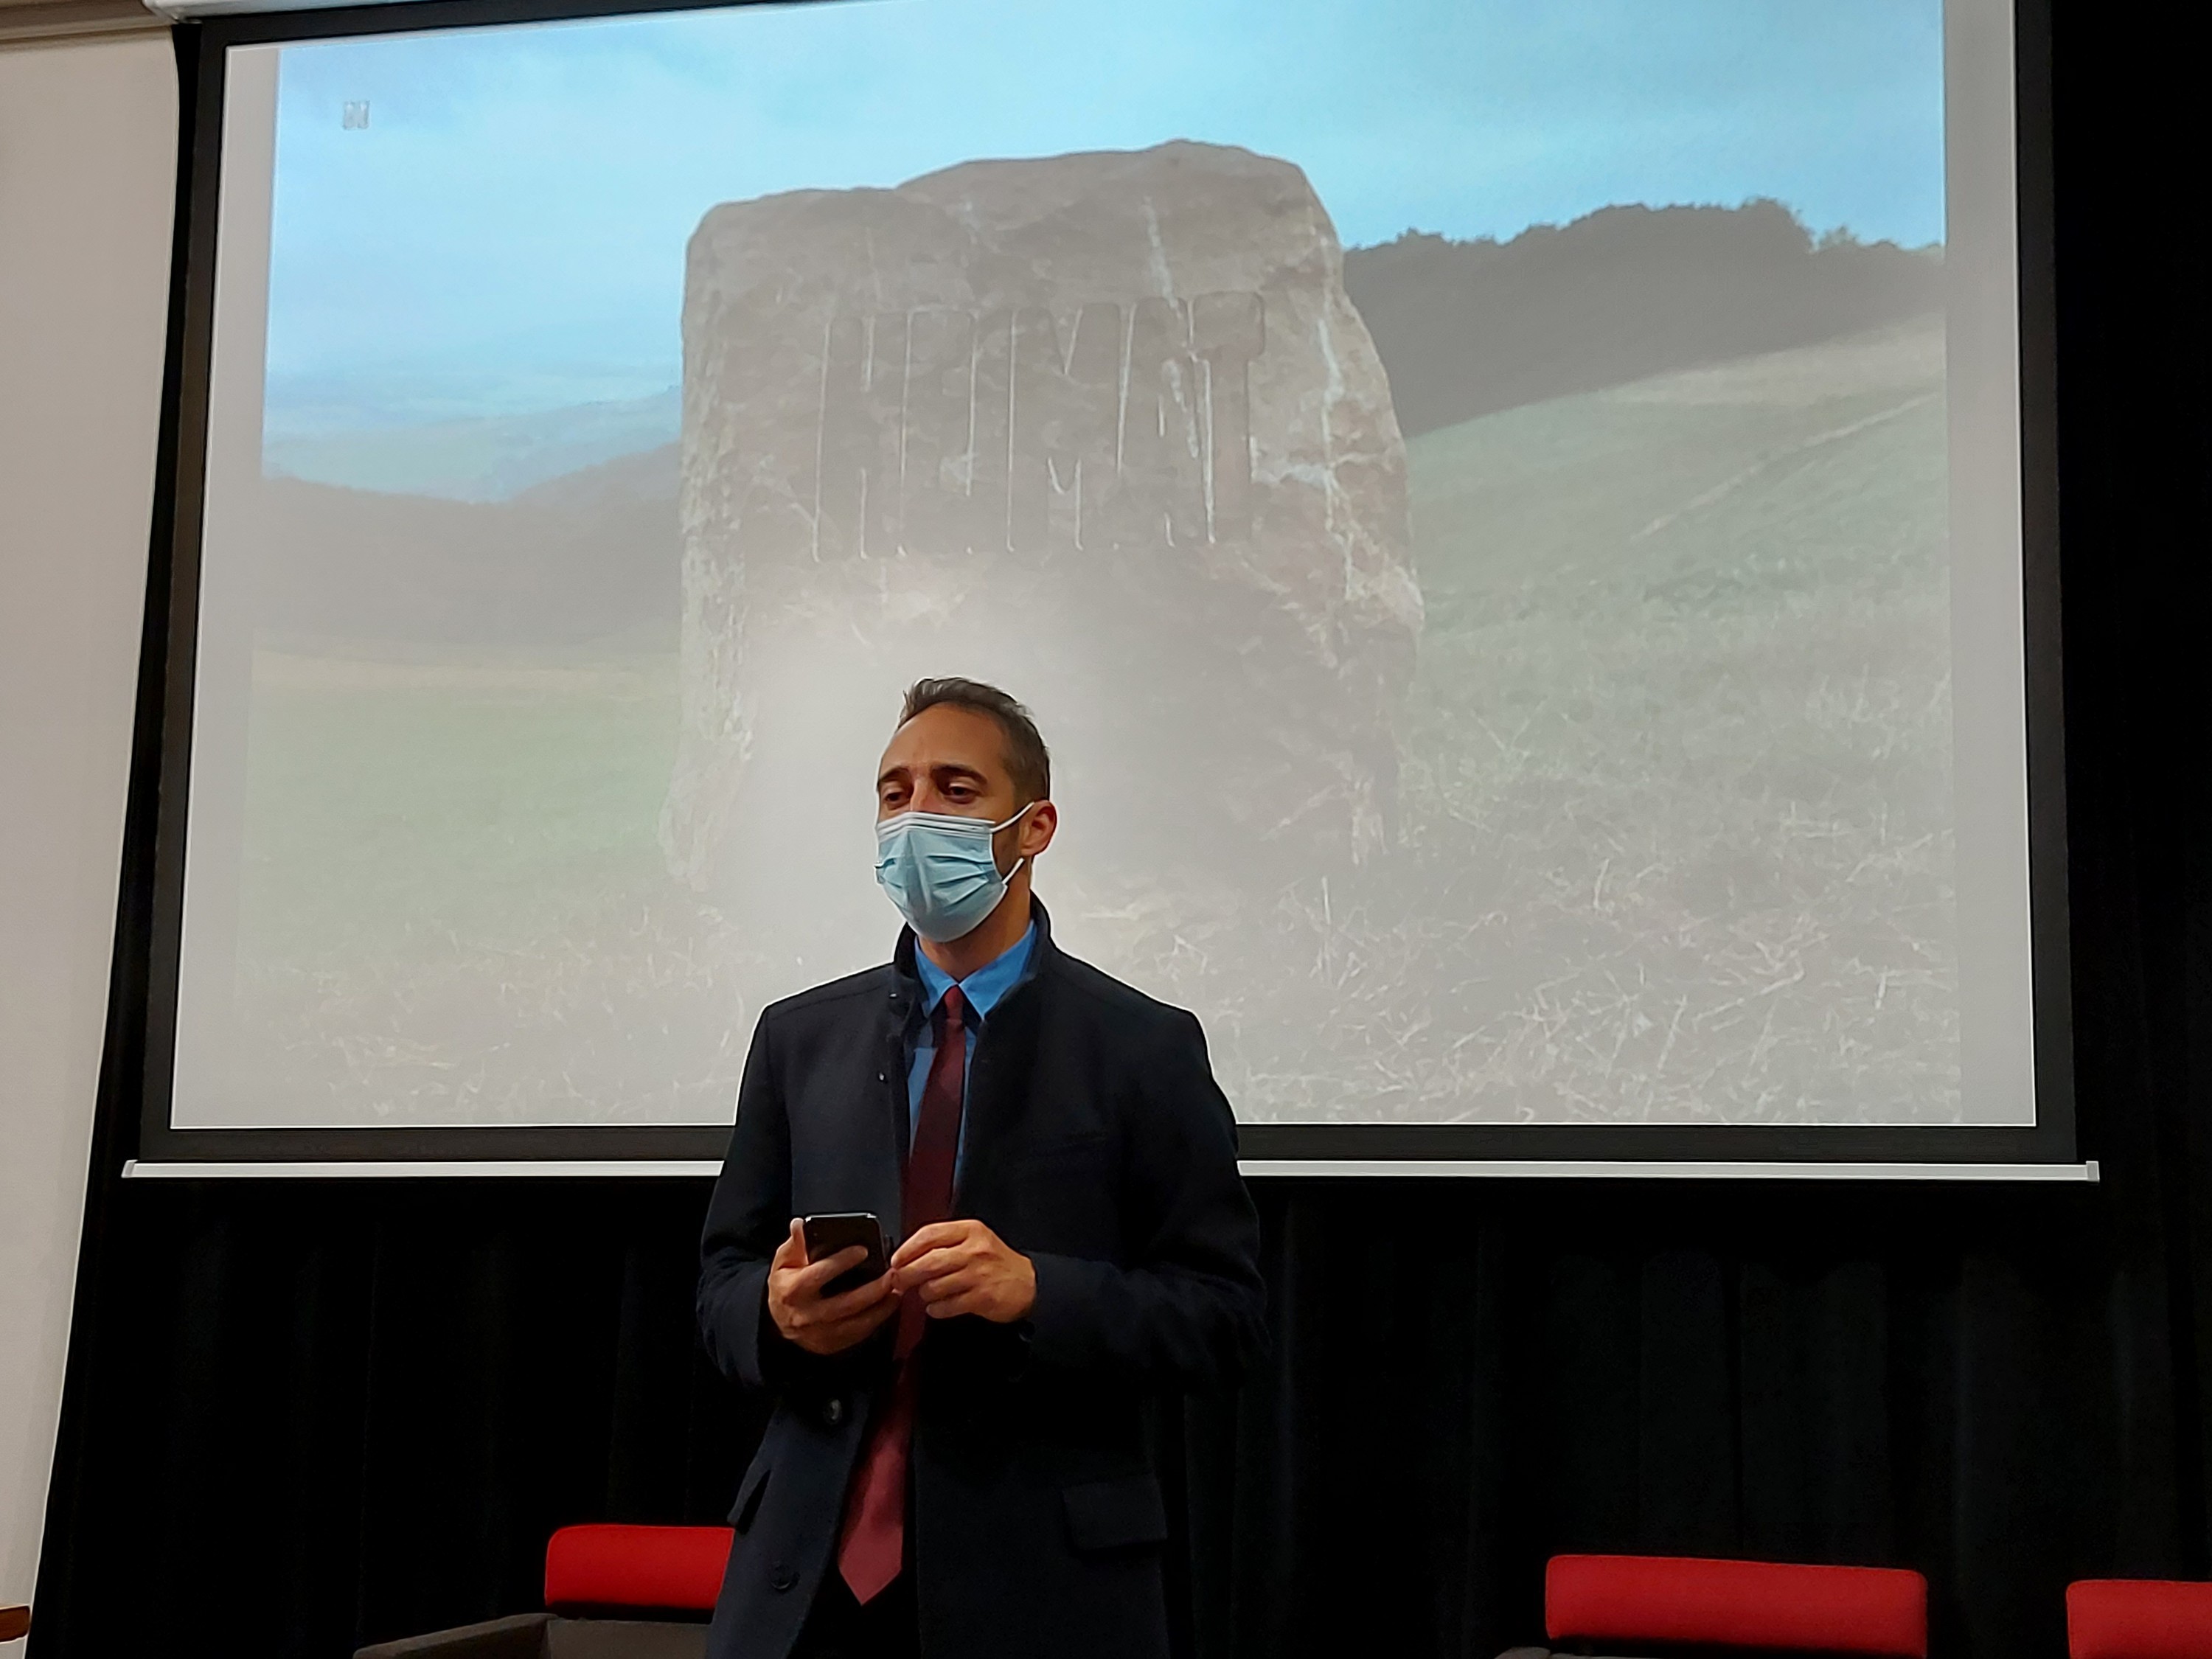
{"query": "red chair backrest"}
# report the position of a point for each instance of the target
(1682, 1601)
(2138, 1619)
(678, 1569)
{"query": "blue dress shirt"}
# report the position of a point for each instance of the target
(984, 989)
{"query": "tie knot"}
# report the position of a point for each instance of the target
(952, 1009)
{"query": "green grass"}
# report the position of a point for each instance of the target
(378, 813)
(455, 909)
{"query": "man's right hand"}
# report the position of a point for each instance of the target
(825, 1324)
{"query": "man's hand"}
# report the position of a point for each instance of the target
(825, 1324)
(963, 1267)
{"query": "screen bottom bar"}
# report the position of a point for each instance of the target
(1617, 1170)
(1636, 1169)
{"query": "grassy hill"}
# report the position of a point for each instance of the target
(591, 554)
(1678, 763)
(1676, 798)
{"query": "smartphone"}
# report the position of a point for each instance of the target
(826, 1235)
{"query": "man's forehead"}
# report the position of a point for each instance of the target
(946, 738)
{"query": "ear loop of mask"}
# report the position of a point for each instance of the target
(1020, 861)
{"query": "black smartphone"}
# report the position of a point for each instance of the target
(826, 1235)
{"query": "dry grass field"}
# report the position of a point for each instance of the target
(1677, 795)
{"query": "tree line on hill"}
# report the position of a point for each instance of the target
(1468, 329)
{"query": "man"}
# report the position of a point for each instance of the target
(955, 1465)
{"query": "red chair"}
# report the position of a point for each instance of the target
(2138, 1619)
(1629, 1603)
(611, 1592)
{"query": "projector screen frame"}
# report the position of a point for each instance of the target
(148, 959)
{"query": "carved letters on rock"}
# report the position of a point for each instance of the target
(1105, 426)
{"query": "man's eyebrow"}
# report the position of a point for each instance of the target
(956, 769)
(891, 773)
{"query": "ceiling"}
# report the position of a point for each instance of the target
(40, 23)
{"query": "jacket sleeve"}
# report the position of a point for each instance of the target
(748, 1217)
(1190, 1306)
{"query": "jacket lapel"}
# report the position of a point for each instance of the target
(894, 1057)
(1006, 1061)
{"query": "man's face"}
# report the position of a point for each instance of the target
(953, 761)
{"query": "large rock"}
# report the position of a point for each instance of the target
(1104, 427)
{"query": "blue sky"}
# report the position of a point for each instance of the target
(507, 232)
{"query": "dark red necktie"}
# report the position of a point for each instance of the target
(871, 1548)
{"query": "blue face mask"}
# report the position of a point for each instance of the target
(938, 871)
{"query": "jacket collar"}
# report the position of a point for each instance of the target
(909, 979)
(994, 1100)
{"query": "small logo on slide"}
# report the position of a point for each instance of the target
(356, 116)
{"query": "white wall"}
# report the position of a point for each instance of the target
(87, 166)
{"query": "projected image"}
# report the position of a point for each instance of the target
(1464, 489)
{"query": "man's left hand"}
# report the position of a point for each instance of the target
(963, 1267)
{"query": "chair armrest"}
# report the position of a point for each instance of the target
(14, 1622)
(520, 1636)
(626, 1639)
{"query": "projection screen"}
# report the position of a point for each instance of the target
(1511, 516)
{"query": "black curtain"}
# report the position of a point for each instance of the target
(302, 1415)
(321, 1414)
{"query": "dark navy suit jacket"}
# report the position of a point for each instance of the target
(1097, 1143)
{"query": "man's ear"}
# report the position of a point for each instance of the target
(1035, 833)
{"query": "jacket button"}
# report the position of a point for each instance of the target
(783, 1578)
(833, 1412)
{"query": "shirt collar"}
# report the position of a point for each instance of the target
(984, 988)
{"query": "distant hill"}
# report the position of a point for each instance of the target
(590, 555)
(1466, 328)
(489, 459)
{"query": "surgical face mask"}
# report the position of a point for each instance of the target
(938, 871)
